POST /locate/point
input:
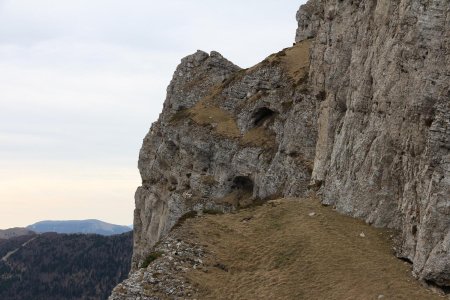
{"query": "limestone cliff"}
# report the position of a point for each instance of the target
(226, 137)
(383, 146)
(357, 110)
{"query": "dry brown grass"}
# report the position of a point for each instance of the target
(278, 251)
(259, 137)
(206, 113)
(294, 59)
(238, 199)
(208, 180)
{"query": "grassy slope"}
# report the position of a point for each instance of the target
(279, 251)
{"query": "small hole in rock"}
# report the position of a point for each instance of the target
(262, 115)
(243, 183)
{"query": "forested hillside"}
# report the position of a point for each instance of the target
(63, 266)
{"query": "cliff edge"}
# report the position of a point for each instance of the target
(358, 110)
(227, 137)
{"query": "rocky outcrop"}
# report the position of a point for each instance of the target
(383, 150)
(227, 137)
(166, 275)
(358, 110)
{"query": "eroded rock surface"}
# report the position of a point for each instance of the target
(227, 137)
(358, 110)
(166, 275)
(383, 152)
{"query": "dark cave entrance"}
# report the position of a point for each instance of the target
(261, 115)
(242, 191)
(243, 184)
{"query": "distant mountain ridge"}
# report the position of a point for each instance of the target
(90, 226)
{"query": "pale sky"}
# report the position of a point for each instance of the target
(81, 81)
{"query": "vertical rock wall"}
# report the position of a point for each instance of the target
(382, 69)
(358, 109)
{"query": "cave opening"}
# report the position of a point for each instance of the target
(243, 184)
(261, 115)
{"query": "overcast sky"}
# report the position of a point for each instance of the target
(81, 81)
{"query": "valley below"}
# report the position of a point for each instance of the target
(53, 266)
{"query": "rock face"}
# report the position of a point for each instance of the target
(226, 137)
(165, 277)
(358, 110)
(383, 146)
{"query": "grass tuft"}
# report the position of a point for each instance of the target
(211, 211)
(150, 258)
